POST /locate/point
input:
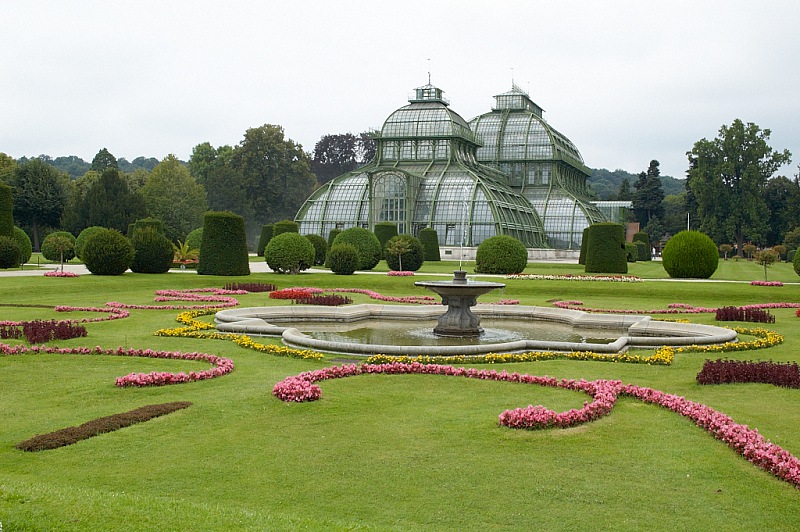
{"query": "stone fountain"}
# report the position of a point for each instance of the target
(459, 294)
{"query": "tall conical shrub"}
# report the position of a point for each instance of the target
(223, 250)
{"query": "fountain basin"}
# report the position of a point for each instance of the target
(638, 330)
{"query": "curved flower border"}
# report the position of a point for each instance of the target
(571, 277)
(741, 438)
(672, 308)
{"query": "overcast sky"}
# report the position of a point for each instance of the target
(626, 81)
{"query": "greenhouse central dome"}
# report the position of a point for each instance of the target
(425, 174)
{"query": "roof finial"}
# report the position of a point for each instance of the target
(429, 71)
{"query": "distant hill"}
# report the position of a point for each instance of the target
(76, 167)
(605, 183)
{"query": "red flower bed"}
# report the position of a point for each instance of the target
(751, 314)
(251, 287)
(736, 371)
(291, 293)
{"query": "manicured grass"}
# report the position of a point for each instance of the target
(383, 452)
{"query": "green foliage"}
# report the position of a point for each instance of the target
(796, 262)
(605, 251)
(286, 226)
(631, 252)
(343, 258)
(145, 223)
(501, 254)
(24, 243)
(643, 237)
(332, 236)
(725, 249)
(223, 250)
(367, 244)
(110, 203)
(171, 194)
(195, 238)
(289, 253)
(267, 232)
(384, 231)
(767, 257)
(690, 255)
(6, 211)
(59, 246)
(642, 250)
(9, 252)
(749, 250)
(404, 253)
(320, 248)
(430, 242)
(108, 252)
(584, 245)
(648, 196)
(154, 252)
(104, 160)
(790, 255)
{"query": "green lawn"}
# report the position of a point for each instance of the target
(383, 452)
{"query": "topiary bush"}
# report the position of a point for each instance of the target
(501, 254)
(796, 263)
(584, 243)
(223, 250)
(367, 244)
(6, 211)
(430, 243)
(343, 258)
(267, 232)
(194, 239)
(332, 236)
(643, 237)
(320, 249)
(642, 250)
(289, 253)
(108, 252)
(83, 236)
(9, 252)
(631, 252)
(605, 249)
(790, 255)
(690, 255)
(24, 243)
(411, 253)
(385, 231)
(285, 226)
(59, 246)
(156, 224)
(153, 251)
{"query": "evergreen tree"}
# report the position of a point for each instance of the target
(649, 195)
(110, 203)
(104, 160)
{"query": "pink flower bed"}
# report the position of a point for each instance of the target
(672, 308)
(395, 273)
(742, 439)
(766, 283)
(59, 273)
(419, 300)
(219, 297)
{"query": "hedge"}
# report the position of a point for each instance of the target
(223, 250)
(430, 243)
(605, 249)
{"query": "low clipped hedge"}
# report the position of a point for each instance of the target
(690, 255)
(367, 244)
(84, 235)
(430, 243)
(9, 252)
(605, 249)
(501, 254)
(343, 258)
(223, 250)
(153, 251)
(410, 260)
(108, 252)
(289, 253)
(24, 243)
(51, 244)
(267, 232)
(320, 248)
(643, 237)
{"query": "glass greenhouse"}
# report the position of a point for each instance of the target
(541, 164)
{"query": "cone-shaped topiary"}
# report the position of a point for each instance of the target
(605, 249)
(501, 254)
(154, 252)
(9, 252)
(690, 255)
(6, 211)
(641, 236)
(267, 232)
(83, 236)
(320, 248)
(223, 250)
(289, 253)
(24, 243)
(404, 253)
(643, 250)
(369, 249)
(342, 259)
(108, 252)
(430, 242)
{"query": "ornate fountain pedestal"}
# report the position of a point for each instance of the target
(459, 295)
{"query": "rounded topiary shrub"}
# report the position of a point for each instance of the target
(154, 223)
(289, 253)
(24, 243)
(430, 243)
(320, 248)
(411, 253)
(369, 249)
(384, 231)
(605, 248)
(6, 211)
(267, 232)
(631, 252)
(584, 244)
(285, 226)
(108, 252)
(501, 254)
(83, 236)
(690, 255)
(195, 238)
(332, 234)
(153, 252)
(223, 250)
(9, 252)
(58, 246)
(343, 258)
(641, 236)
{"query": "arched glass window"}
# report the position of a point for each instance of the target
(389, 199)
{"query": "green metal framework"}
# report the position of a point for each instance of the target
(541, 164)
(425, 174)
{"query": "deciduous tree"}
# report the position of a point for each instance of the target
(173, 196)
